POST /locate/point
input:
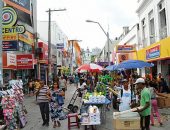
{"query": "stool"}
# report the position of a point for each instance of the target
(75, 123)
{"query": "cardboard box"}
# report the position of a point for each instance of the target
(129, 121)
(163, 102)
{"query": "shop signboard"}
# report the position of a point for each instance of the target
(25, 61)
(153, 52)
(9, 60)
(123, 57)
(23, 5)
(125, 48)
(9, 45)
(11, 37)
(60, 45)
(9, 19)
(27, 37)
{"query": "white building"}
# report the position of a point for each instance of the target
(57, 36)
(129, 37)
(154, 23)
(86, 56)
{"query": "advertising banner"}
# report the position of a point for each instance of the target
(9, 45)
(23, 5)
(27, 37)
(125, 48)
(123, 57)
(60, 45)
(11, 37)
(153, 52)
(25, 61)
(9, 61)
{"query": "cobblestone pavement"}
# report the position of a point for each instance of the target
(35, 121)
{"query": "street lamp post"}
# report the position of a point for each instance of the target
(49, 40)
(108, 39)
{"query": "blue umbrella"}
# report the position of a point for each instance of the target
(132, 64)
(111, 67)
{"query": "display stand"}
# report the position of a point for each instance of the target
(13, 108)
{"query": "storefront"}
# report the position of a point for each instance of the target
(159, 54)
(43, 61)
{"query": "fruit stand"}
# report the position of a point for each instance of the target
(93, 111)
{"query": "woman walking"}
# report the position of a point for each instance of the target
(56, 105)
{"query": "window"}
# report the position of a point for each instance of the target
(162, 20)
(143, 32)
(151, 27)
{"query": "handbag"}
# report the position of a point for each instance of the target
(60, 100)
(23, 121)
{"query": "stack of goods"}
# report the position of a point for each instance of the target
(12, 105)
(126, 120)
(95, 97)
(9, 106)
(91, 117)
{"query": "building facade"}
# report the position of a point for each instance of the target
(18, 45)
(154, 23)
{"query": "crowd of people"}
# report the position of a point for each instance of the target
(132, 91)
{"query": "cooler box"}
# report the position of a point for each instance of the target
(128, 121)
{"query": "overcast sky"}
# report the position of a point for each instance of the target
(111, 14)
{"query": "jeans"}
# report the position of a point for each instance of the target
(155, 109)
(145, 122)
(44, 108)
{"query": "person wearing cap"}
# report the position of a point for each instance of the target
(145, 103)
(125, 96)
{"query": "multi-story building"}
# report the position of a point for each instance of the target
(128, 43)
(154, 23)
(58, 43)
(18, 45)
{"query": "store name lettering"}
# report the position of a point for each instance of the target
(16, 29)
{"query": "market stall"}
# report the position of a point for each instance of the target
(93, 111)
(14, 112)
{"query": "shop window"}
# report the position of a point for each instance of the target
(162, 20)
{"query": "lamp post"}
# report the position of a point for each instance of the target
(49, 40)
(107, 35)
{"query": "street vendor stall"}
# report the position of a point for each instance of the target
(14, 111)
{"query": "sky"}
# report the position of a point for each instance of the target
(111, 14)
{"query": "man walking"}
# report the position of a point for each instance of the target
(145, 103)
(43, 96)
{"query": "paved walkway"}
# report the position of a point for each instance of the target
(35, 121)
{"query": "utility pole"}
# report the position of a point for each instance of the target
(1, 65)
(49, 42)
(108, 45)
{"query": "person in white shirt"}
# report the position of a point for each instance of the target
(125, 96)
